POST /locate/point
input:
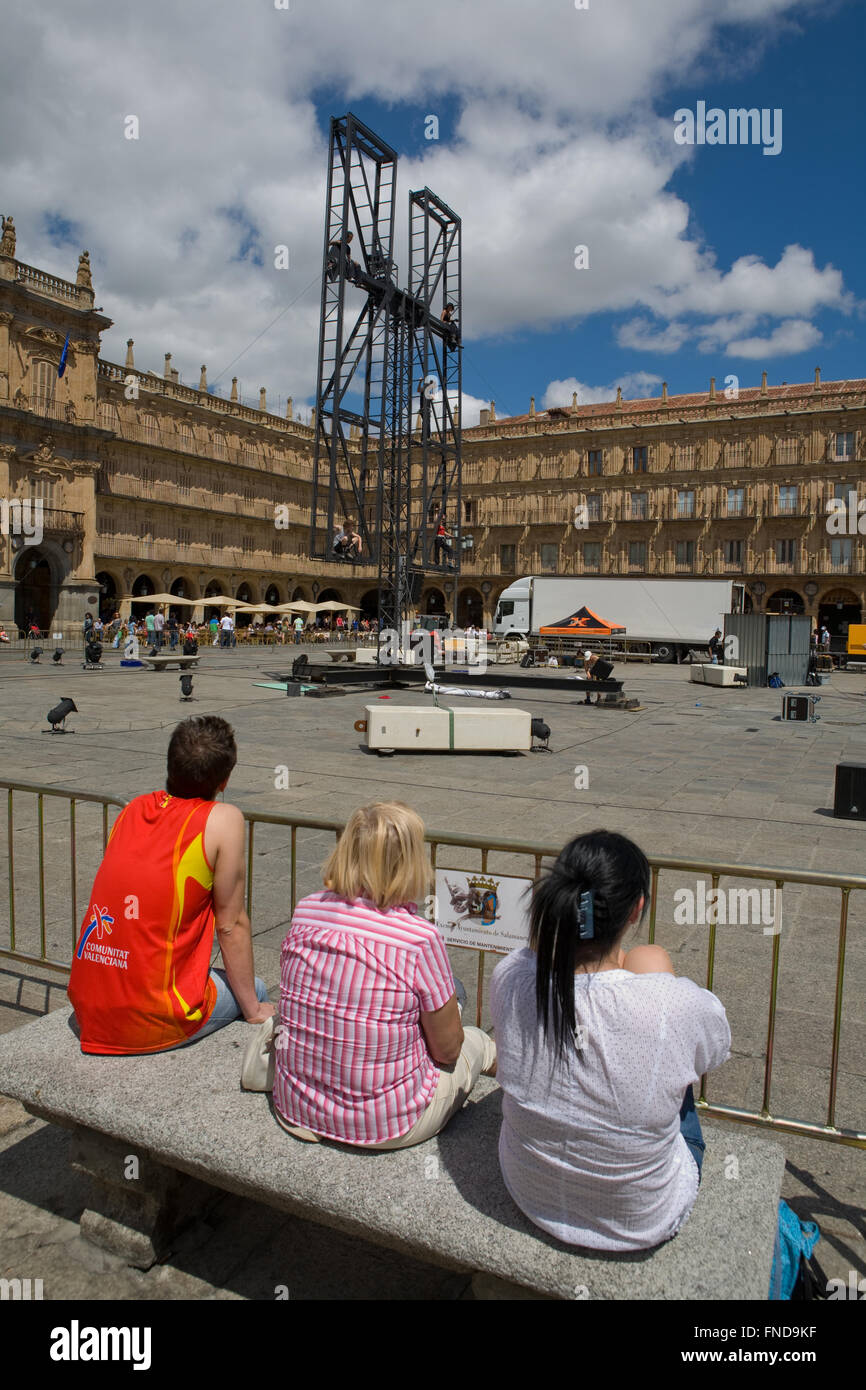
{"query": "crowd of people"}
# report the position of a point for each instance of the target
(157, 630)
(596, 1047)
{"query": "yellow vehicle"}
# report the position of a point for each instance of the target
(857, 641)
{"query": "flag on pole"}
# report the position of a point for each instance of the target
(62, 367)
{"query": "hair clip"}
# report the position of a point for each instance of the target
(585, 918)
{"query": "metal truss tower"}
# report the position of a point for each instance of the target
(387, 445)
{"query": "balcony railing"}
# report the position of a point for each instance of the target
(51, 285)
(57, 522)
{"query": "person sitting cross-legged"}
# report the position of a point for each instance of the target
(173, 870)
(370, 1049)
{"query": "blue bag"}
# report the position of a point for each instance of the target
(795, 1241)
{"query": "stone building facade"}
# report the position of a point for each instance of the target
(146, 485)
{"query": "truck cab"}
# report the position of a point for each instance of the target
(514, 610)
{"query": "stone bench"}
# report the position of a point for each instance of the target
(160, 663)
(183, 1116)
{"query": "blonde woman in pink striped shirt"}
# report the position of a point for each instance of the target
(370, 1047)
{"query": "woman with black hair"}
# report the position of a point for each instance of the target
(598, 1050)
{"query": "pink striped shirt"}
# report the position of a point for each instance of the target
(351, 1060)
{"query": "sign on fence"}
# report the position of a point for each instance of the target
(487, 912)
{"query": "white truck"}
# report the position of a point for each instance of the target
(664, 618)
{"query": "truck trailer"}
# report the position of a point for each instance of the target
(664, 618)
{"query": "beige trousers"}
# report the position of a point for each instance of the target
(477, 1057)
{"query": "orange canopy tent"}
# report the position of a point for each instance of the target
(583, 623)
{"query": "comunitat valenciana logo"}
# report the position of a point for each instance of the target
(77, 1343)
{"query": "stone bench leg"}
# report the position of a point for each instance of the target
(137, 1206)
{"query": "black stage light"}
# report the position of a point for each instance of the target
(92, 654)
(35, 653)
(186, 687)
(541, 731)
(57, 656)
(58, 714)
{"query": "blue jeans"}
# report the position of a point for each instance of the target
(690, 1129)
(225, 1010)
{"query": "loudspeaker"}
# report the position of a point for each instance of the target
(850, 799)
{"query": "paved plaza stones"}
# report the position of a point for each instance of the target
(698, 772)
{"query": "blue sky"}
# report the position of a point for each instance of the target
(556, 129)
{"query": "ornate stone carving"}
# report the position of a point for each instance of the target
(5, 317)
(69, 412)
(20, 401)
(45, 336)
(7, 242)
(83, 279)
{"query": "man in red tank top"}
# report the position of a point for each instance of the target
(173, 871)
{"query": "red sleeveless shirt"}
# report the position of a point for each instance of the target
(140, 979)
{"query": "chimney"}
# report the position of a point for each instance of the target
(763, 383)
(712, 388)
(234, 394)
(492, 411)
(532, 405)
(484, 417)
(202, 381)
(289, 408)
(166, 371)
(130, 360)
(263, 398)
(664, 393)
(817, 378)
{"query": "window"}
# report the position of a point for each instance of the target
(596, 462)
(507, 558)
(845, 445)
(220, 448)
(106, 416)
(549, 557)
(44, 383)
(840, 553)
(684, 456)
(786, 552)
(788, 450)
(185, 436)
(734, 553)
(789, 497)
(638, 509)
(216, 540)
(468, 510)
(41, 489)
(685, 503)
(592, 555)
(685, 553)
(183, 483)
(218, 488)
(639, 458)
(276, 546)
(183, 535)
(637, 555)
(841, 490)
(248, 494)
(248, 545)
(735, 453)
(735, 503)
(150, 429)
(593, 507)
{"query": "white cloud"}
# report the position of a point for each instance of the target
(644, 336)
(793, 335)
(558, 142)
(635, 386)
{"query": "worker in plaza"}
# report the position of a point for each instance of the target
(595, 668)
(173, 872)
(716, 646)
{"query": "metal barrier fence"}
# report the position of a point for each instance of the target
(536, 853)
